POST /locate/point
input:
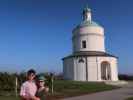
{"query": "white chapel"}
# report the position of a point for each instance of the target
(89, 60)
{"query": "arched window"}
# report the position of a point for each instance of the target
(81, 60)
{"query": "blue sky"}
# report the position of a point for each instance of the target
(37, 33)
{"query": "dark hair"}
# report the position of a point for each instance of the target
(31, 71)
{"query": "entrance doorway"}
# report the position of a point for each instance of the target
(105, 71)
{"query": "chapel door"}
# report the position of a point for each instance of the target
(105, 71)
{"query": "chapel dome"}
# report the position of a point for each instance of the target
(87, 25)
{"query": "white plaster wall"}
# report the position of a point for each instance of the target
(80, 69)
(94, 37)
(93, 43)
(113, 65)
(89, 29)
(74, 70)
(68, 69)
(92, 69)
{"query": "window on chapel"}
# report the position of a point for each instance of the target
(83, 44)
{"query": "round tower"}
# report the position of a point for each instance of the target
(88, 35)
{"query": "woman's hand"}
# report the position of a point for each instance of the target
(46, 89)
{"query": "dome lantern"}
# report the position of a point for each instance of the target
(87, 14)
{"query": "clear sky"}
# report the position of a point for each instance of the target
(37, 33)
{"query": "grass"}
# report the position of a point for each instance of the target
(130, 98)
(8, 98)
(74, 88)
(64, 88)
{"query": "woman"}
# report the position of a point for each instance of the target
(29, 88)
(42, 89)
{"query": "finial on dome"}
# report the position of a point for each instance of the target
(87, 13)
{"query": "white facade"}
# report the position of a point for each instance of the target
(94, 37)
(89, 61)
(90, 71)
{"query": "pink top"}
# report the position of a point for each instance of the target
(28, 89)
